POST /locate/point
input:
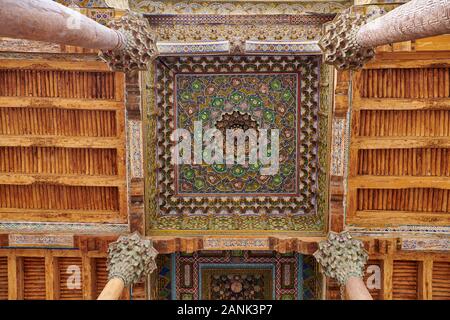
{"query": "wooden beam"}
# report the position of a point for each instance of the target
(88, 282)
(399, 143)
(60, 141)
(170, 244)
(397, 182)
(59, 103)
(425, 280)
(387, 60)
(47, 215)
(401, 104)
(388, 265)
(50, 276)
(436, 43)
(62, 65)
(377, 218)
(13, 281)
(68, 180)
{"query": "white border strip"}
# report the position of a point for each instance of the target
(187, 48)
(282, 47)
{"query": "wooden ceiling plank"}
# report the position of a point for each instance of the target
(59, 103)
(58, 141)
(56, 179)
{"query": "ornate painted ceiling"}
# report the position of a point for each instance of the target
(270, 92)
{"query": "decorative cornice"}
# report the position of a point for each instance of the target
(138, 47)
(76, 228)
(238, 7)
(130, 258)
(425, 244)
(398, 231)
(339, 45)
(341, 257)
(118, 4)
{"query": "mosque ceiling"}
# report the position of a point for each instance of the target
(238, 7)
(272, 92)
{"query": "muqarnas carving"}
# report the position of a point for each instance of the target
(240, 101)
(276, 92)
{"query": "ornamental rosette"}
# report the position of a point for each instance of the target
(339, 45)
(138, 48)
(341, 257)
(130, 258)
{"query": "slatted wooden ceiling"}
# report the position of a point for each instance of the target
(47, 274)
(3, 278)
(33, 279)
(70, 282)
(61, 142)
(441, 280)
(399, 157)
(405, 280)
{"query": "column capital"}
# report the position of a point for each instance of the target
(339, 45)
(130, 258)
(137, 45)
(341, 257)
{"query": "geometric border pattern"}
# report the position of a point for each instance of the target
(306, 282)
(237, 260)
(78, 228)
(312, 223)
(312, 218)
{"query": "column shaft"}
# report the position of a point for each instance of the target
(355, 289)
(413, 20)
(46, 20)
(112, 290)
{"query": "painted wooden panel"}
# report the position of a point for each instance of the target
(101, 275)
(69, 278)
(57, 122)
(405, 123)
(62, 142)
(54, 160)
(55, 83)
(404, 162)
(370, 280)
(399, 151)
(138, 292)
(405, 280)
(3, 278)
(413, 199)
(58, 274)
(405, 83)
(33, 278)
(333, 290)
(441, 280)
(40, 196)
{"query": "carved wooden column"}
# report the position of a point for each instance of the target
(128, 45)
(348, 41)
(343, 258)
(129, 259)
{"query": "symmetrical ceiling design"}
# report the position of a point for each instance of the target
(242, 101)
(238, 6)
(244, 275)
(262, 92)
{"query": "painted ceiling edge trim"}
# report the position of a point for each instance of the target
(251, 46)
(185, 227)
(238, 7)
(202, 47)
(401, 229)
(63, 227)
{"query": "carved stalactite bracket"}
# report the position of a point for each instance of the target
(339, 44)
(138, 47)
(341, 257)
(130, 258)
